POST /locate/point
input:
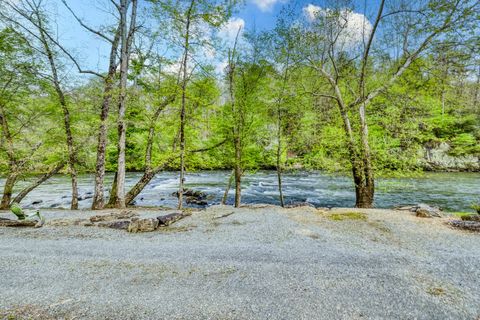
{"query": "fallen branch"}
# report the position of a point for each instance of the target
(223, 216)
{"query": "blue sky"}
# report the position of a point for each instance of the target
(92, 51)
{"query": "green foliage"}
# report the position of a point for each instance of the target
(476, 207)
(435, 101)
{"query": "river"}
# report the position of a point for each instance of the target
(450, 191)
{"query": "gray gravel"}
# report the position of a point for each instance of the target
(258, 263)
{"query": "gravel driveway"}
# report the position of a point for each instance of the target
(258, 263)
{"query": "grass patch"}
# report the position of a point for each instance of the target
(436, 291)
(348, 216)
(462, 214)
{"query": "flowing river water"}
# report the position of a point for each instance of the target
(449, 191)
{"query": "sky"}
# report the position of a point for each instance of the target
(92, 51)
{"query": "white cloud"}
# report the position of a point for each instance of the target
(267, 5)
(229, 30)
(353, 27)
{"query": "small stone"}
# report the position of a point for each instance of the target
(143, 225)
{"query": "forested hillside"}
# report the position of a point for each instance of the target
(184, 83)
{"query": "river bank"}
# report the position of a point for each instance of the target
(450, 191)
(255, 263)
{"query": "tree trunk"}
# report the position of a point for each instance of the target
(112, 201)
(8, 191)
(119, 193)
(238, 172)
(279, 156)
(126, 42)
(139, 186)
(184, 101)
(22, 194)
(12, 162)
(366, 191)
(99, 190)
(227, 189)
(149, 173)
(72, 156)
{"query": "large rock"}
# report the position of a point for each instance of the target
(437, 157)
(143, 225)
(70, 222)
(466, 225)
(127, 214)
(117, 224)
(471, 217)
(194, 197)
(168, 219)
(425, 211)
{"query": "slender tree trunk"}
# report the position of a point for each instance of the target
(119, 182)
(227, 189)
(8, 191)
(476, 95)
(238, 171)
(279, 156)
(12, 162)
(99, 190)
(183, 109)
(112, 201)
(72, 156)
(149, 172)
(22, 194)
(139, 186)
(126, 43)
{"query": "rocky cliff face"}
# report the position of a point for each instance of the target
(438, 158)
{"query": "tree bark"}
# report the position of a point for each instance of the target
(238, 172)
(365, 192)
(279, 176)
(12, 162)
(149, 172)
(183, 108)
(112, 201)
(72, 156)
(22, 194)
(8, 191)
(139, 186)
(227, 189)
(99, 189)
(126, 42)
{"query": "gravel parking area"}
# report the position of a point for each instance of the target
(257, 263)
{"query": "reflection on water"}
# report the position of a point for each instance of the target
(450, 191)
